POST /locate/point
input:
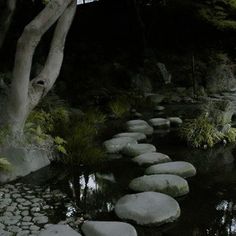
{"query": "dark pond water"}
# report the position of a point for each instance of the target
(209, 208)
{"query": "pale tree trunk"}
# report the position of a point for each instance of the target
(25, 94)
(6, 19)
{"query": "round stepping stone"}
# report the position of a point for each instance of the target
(175, 121)
(133, 150)
(143, 128)
(136, 122)
(59, 230)
(149, 208)
(115, 145)
(108, 228)
(160, 122)
(159, 108)
(136, 136)
(151, 158)
(181, 168)
(172, 185)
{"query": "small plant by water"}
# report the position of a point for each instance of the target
(119, 108)
(200, 132)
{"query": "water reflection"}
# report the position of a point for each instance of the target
(225, 222)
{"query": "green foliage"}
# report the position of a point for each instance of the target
(119, 107)
(81, 143)
(200, 132)
(230, 135)
(60, 145)
(95, 116)
(5, 165)
(221, 14)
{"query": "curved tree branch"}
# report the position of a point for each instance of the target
(43, 83)
(18, 106)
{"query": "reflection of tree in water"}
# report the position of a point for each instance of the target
(225, 220)
(93, 195)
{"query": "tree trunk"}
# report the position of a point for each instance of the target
(6, 19)
(26, 94)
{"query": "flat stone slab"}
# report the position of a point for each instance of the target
(108, 228)
(115, 145)
(149, 208)
(171, 185)
(134, 135)
(133, 150)
(175, 121)
(59, 230)
(159, 108)
(151, 158)
(159, 122)
(142, 128)
(136, 122)
(181, 168)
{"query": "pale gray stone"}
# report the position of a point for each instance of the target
(138, 149)
(108, 228)
(181, 168)
(149, 208)
(172, 185)
(115, 145)
(59, 230)
(151, 158)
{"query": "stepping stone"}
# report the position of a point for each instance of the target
(171, 185)
(136, 122)
(139, 126)
(136, 136)
(181, 168)
(160, 122)
(149, 208)
(159, 108)
(144, 128)
(108, 228)
(133, 150)
(151, 158)
(175, 121)
(59, 230)
(115, 145)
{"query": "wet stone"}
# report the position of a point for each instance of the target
(27, 218)
(25, 213)
(23, 233)
(20, 200)
(34, 228)
(40, 219)
(14, 229)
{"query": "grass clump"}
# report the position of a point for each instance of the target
(119, 108)
(200, 132)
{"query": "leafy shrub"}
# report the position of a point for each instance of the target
(230, 135)
(200, 132)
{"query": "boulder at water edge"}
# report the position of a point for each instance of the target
(108, 228)
(181, 168)
(136, 122)
(149, 208)
(151, 158)
(115, 145)
(175, 121)
(171, 185)
(59, 230)
(133, 150)
(160, 122)
(136, 136)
